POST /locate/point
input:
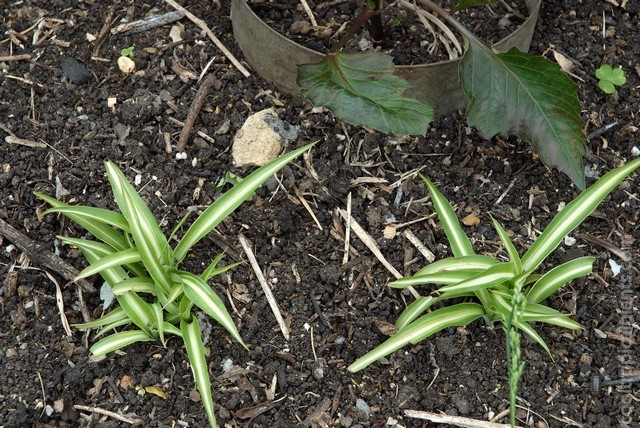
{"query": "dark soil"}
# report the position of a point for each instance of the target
(461, 372)
(406, 37)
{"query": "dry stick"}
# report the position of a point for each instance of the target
(307, 9)
(132, 421)
(148, 23)
(200, 133)
(104, 31)
(246, 246)
(308, 207)
(60, 303)
(373, 247)
(453, 420)
(203, 26)
(347, 232)
(6, 58)
(194, 111)
(42, 257)
(426, 253)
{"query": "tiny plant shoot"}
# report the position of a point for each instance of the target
(609, 78)
(508, 292)
(156, 298)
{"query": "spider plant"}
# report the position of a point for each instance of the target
(491, 288)
(156, 298)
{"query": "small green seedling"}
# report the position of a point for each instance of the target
(499, 287)
(128, 52)
(609, 78)
(155, 296)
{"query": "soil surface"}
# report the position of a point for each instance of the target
(407, 37)
(58, 103)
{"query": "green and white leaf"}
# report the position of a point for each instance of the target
(110, 261)
(231, 200)
(491, 277)
(425, 326)
(573, 214)
(558, 277)
(118, 341)
(204, 297)
(471, 262)
(195, 351)
(100, 230)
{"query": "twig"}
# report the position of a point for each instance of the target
(453, 420)
(306, 205)
(104, 31)
(12, 139)
(605, 244)
(132, 421)
(246, 246)
(419, 245)
(149, 23)
(42, 257)
(200, 133)
(7, 58)
(373, 247)
(194, 111)
(307, 9)
(347, 232)
(203, 26)
(60, 303)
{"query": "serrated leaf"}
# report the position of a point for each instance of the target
(361, 89)
(467, 4)
(515, 93)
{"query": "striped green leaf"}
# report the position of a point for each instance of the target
(139, 284)
(195, 351)
(212, 270)
(99, 250)
(231, 200)
(423, 327)
(533, 334)
(460, 243)
(454, 263)
(92, 215)
(118, 341)
(115, 315)
(137, 310)
(99, 229)
(146, 228)
(486, 279)
(439, 278)
(514, 257)
(152, 249)
(109, 261)
(573, 214)
(199, 292)
(558, 277)
(421, 304)
(111, 327)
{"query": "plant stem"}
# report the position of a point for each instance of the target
(447, 17)
(366, 15)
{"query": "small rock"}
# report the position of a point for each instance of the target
(75, 72)
(300, 27)
(126, 65)
(363, 407)
(259, 140)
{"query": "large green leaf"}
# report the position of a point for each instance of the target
(516, 93)
(361, 89)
